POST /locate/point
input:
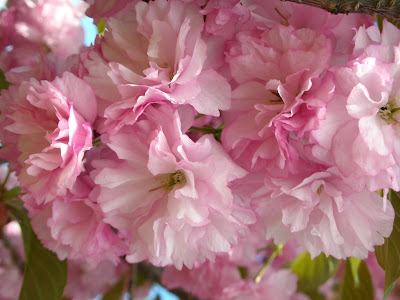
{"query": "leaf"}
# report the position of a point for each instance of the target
(4, 84)
(312, 273)
(116, 291)
(13, 193)
(45, 275)
(315, 295)
(357, 283)
(388, 254)
(101, 27)
(381, 253)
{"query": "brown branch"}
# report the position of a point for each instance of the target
(389, 9)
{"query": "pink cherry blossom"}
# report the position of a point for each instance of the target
(359, 133)
(10, 273)
(214, 277)
(275, 284)
(324, 214)
(339, 28)
(105, 8)
(223, 274)
(53, 123)
(280, 95)
(167, 195)
(225, 18)
(165, 52)
(85, 282)
(73, 226)
(47, 23)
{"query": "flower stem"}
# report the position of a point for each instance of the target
(260, 274)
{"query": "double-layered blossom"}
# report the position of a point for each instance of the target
(168, 196)
(359, 135)
(86, 282)
(52, 125)
(231, 272)
(47, 23)
(324, 214)
(165, 52)
(275, 285)
(73, 226)
(105, 8)
(280, 94)
(198, 135)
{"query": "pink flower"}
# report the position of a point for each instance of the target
(324, 214)
(167, 195)
(338, 28)
(214, 277)
(85, 282)
(165, 52)
(275, 285)
(105, 8)
(10, 274)
(223, 276)
(47, 23)
(52, 121)
(359, 135)
(225, 18)
(280, 97)
(73, 226)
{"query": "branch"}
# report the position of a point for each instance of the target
(389, 9)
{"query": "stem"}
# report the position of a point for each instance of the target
(260, 274)
(389, 9)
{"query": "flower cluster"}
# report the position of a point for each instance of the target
(193, 133)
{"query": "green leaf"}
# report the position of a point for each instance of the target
(315, 295)
(101, 27)
(313, 272)
(116, 291)
(381, 253)
(388, 254)
(13, 193)
(4, 84)
(389, 289)
(357, 283)
(45, 275)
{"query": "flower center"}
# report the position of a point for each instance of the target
(388, 112)
(168, 181)
(279, 99)
(320, 189)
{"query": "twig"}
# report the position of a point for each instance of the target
(260, 274)
(389, 9)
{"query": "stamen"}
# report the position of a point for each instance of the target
(388, 112)
(320, 189)
(285, 22)
(170, 180)
(276, 101)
